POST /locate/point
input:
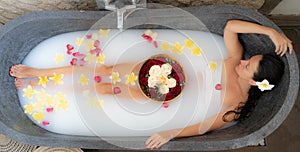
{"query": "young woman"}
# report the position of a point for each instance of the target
(239, 79)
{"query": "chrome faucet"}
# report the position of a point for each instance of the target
(120, 6)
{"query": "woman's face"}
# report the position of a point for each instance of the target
(247, 68)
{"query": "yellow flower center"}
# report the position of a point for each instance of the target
(264, 85)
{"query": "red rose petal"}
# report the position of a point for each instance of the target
(76, 54)
(45, 123)
(69, 52)
(73, 61)
(70, 47)
(143, 81)
(117, 90)
(89, 36)
(168, 96)
(165, 105)
(218, 87)
(49, 109)
(161, 59)
(97, 78)
(147, 37)
(176, 90)
(177, 68)
(97, 43)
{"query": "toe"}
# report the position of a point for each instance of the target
(18, 83)
(11, 73)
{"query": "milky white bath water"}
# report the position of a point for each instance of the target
(78, 109)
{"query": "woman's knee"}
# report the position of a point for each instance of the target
(104, 70)
(104, 88)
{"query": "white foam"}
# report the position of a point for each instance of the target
(126, 117)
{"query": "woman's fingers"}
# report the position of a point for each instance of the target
(157, 140)
(160, 138)
(156, 143)
(160, 144)
(284, 49)
(149, 140)
(290, 47)
(282, 43)
(150, 143)
(277, 48)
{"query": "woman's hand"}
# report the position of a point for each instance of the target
(160, 138)
(281, 42)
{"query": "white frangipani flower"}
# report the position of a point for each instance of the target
(163, 89)
(264, 85)
(152, 81)
(155, 70)
(166, 69)
(171, 83)
(159, 78)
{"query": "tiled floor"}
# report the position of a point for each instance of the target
(287, 137)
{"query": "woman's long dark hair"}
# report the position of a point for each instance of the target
(271, 67)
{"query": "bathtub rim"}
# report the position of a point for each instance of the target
(181, 144)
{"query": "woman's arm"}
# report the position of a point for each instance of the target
(234, 48)
(160, 138)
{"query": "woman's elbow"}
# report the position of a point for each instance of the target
(229, 25)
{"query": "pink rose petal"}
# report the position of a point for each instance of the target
(81, 56)
(97, 43)
(165, 105)
(89, 36)
(82, 62)
(117, 90)
(218, 87)
(155, 44)
(70, 47)
(49, 109)
(93, 51)
(97, 78)
(45, 123)
(98, 51)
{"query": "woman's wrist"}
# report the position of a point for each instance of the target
(174, 133)
(270, 31)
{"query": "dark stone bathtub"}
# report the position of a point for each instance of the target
(19, 36)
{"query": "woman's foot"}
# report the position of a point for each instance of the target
(23, 71)
(20, 83)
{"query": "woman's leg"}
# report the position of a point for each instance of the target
(119, 89)
(23, 71)
(19, 83)
(123, 68)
